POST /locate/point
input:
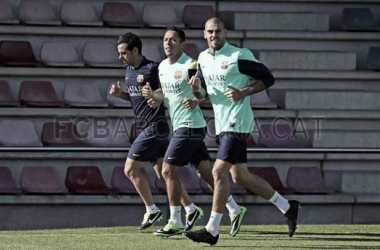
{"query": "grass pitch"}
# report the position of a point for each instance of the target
(250, 237)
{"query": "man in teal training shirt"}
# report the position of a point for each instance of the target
(176, 75)
(227, 72)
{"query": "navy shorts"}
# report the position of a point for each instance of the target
(187, 146)
(233, 147)
(151, 143)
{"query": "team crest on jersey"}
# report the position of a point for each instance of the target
(140, 78)
(178, 74)
(224, 64)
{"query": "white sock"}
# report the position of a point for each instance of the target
(232, 206)
(190, 208)
(151, 209)
(175, 215)
(213, 224)
(280, 202)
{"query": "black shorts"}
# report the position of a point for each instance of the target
(187, 146)
(151, 143)
(233, 147)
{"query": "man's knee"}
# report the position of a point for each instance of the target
(160, 176)
(131, 171)
(237, 178)
(168, 171)
(204, 170)
(219, 173)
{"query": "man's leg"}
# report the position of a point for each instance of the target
(174, 191)
(221, 193)
(204, 171)
(173, 184)
(210, 234)
(185, 198)
(235, 211)
(193, 212)
(182, 146)
(241, 176)
(132, 170)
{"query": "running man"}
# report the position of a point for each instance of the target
(227, 72)
(151, 143)
(189, 126)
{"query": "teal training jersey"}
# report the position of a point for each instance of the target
(219, 71)
(173, 80)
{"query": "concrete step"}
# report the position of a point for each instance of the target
(326, 99)
(346, 139)
(361, 182)
(350, 42)
(308, 60)
(299, 21)
(331, 7)
(53, 211)
(256, 40)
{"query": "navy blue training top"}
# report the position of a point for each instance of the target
(135, 79)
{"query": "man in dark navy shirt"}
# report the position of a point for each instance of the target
(152, 141)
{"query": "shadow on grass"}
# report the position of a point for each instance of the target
(335, 239)
(311, 233)
(297, 247)
(302, 245)
(330, 247)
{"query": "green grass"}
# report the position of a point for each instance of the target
(250, 237)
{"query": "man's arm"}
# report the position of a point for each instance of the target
(191, 103)
(197, 85)
(258, 71)
(255, 87)
(117, 91)
(148, 93)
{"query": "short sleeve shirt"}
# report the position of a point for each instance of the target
(135, 79)
(219, 71)
(173, 80)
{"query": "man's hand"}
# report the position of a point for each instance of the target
(194, 82)
(189, 103)
(147, 91)
(116, 90)
(234, 94)
(153, 103)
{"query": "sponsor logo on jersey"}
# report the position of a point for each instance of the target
(134, 90)
(215, 80)
(173, 88)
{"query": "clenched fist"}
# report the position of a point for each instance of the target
(116, 90)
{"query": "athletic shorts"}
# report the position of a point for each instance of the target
(187, 146)
(151, 143)
(233, 147)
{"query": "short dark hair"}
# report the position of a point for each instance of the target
(180, 32)
(132, 40)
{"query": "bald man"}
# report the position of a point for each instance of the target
(227, 72)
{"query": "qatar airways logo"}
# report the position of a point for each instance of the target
(172, 88)
(134, 90)
(215, 80)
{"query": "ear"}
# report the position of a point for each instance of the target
(204, 34)
(135, 51)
